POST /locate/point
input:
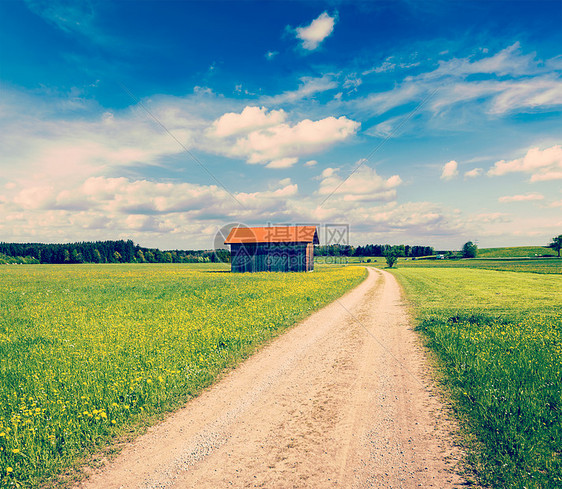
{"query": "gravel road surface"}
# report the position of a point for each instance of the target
(343, 399)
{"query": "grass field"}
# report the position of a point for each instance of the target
(534, 265)
(498, 337)
(528, 265)
(516, 252)
(88, 351)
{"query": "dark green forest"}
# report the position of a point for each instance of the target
(103, 252)
(373, 250)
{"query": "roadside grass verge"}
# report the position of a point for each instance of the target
(498, 336)
(88, 352)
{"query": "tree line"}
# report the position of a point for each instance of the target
(102, 252)
(374, 250)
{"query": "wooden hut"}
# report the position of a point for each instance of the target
(272, 248)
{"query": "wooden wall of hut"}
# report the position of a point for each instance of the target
(272, 257)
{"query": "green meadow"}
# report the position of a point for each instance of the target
(91, 352)
(516, 252)
(527, 265)
(497, 335)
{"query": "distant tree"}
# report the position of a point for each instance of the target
(77, 256)
(390, 256)
(556, 244)
(117, 257)
(469, 250)
(222, 256)
(96, 256)
(140, 257)
(66, 256)
(399, 250)
(167, 257)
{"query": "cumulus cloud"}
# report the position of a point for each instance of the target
(251, 118)
(521, 198)
(120, 205)
(542, 165)
(318, 30)
(390, 220)
(303, 138)
(362, 185)
(266, 139)
(450, 170)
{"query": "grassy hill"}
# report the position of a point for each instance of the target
(515, 252)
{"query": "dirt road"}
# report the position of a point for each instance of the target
(341, 400)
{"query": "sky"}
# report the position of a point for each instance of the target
(407, 122)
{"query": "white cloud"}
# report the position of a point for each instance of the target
(120, 205)
(387, 65)
(45, 144)
(35, 197)
(508, 61)
(536, 92)
(311, 163)
(475, 172)
(509, 81)
(282, 163)
(450, 170)
(308, 87)
(541, 164)
(521, 198)
(379, 103)
(386, 128)
(352, 82)
(271, 54)
(250, 119)
(389, 221)
(318, 30)
(275, 143)
(303, 138)
(391, 64)
(364, 184)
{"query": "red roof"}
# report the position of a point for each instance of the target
(273, 234)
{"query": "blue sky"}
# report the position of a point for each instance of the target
(427, 123)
